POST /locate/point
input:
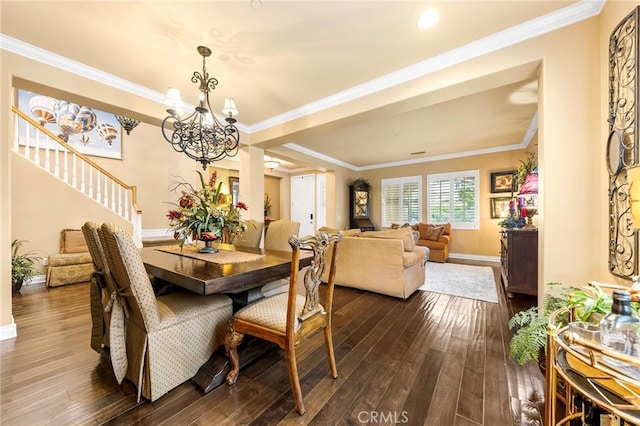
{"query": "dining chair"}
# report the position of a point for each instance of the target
(252, 236)
(102, 287)
(287, 319)
(278, 234)
(167, 338)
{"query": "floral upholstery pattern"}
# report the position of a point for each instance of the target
(167, 338)
(73, 264)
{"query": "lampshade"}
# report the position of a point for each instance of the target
(530, 185)
(230, 107)
(271, 164)
(633, 177)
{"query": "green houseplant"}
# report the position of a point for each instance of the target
(530, 339)
(23, 266)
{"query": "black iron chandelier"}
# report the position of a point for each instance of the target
(200, 135)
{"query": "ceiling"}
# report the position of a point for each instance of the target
(284, 60)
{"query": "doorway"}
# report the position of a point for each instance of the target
(303, 203)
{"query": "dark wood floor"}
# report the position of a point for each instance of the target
(432, 359)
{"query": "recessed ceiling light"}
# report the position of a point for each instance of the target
(428, 19)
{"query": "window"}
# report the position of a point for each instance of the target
(401, 200)
(453, 197)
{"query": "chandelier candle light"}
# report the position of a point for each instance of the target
(200, 135)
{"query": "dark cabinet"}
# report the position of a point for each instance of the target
(360, 208)
(519, 261)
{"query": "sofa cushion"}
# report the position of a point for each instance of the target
(413, 257)
(345, 232)
(72, 241)
(404, 234)
(351, 232)
(433, 245)
(69, 259)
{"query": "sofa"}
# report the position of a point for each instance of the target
(73, 264)
(436, 237)
(385, 262)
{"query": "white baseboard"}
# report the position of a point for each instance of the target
(9, 331)
(475, 257)
(38, 279)
(156, 233)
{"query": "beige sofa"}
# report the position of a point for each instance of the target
(385, 262)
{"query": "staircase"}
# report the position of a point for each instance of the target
(47, 151)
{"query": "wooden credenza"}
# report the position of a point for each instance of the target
(519, 261)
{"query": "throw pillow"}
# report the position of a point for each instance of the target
(447, 227)
(434, 233)
(72, 241)
(422, 229)
(403, 234)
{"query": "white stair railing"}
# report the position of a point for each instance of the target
(44, 149)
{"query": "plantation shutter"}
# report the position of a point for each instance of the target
(401, 200)
(453, 198)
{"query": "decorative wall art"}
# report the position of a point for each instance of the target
(622, 144)
(502, 181)
(500, 207)
(234, 188)
(90, 131)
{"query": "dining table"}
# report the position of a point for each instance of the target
(236, 271)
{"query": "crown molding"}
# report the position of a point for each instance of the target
(569, 15)
(35, 53)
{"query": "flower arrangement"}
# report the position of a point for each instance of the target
(205, 214)
(267, 204)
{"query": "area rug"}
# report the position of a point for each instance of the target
(471, 282)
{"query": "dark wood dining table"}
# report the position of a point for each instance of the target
(241, 281)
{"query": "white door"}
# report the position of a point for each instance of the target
(302, 203)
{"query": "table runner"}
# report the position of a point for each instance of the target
(221, 257)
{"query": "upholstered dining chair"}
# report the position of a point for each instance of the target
(167, 338)
(277, 238)
(286, 319)
(278, 234)
(252, 236)
(102, 287)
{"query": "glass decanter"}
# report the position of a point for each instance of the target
(618, 328)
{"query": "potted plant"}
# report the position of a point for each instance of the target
(527, 167)
(360, 183)
(530, 339)
(23, 266)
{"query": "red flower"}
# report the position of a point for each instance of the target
(241, 205)
(208, 236)
(176, 235)
(174, 214)
(186, 202)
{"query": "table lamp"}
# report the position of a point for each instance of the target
(530, 187)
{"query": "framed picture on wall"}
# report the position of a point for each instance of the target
(502, 181)
(234, 188)
(90, 131)
(499, 207)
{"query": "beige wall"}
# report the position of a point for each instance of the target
(480, 242)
